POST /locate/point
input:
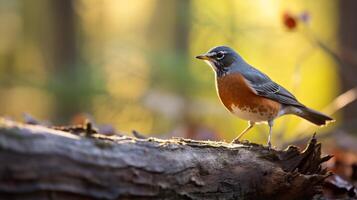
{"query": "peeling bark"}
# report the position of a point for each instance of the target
(42, 163)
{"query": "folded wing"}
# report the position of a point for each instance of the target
(264, 86)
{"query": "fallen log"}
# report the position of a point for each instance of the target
(37, 162)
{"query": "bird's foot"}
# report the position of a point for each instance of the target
(235, 141)
(269, 145)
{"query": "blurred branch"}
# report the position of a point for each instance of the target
(43, 163)
(341, 101)
(345, 57)
(337, 104)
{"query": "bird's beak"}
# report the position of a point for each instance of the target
(206, 56)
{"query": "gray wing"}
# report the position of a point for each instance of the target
(265, 87)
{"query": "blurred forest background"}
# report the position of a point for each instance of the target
(131, 65)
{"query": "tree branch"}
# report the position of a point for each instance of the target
(42, 163)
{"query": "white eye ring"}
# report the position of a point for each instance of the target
(220, 55)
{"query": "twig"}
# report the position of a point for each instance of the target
(138, 135)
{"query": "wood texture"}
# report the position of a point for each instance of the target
(42, 163)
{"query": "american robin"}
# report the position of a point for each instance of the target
(252, 95)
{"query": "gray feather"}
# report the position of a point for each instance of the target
(265, 87)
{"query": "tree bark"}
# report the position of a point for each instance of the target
(37, 162)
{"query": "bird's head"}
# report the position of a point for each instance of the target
(220, 58)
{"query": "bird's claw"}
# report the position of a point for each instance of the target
(235, 141)
(269, 145)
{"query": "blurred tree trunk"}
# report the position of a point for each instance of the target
(348, 41)
(181, 45)
(169, 36)
(65, 59)
(50, 25)
(63, 31)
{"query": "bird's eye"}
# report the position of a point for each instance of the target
(220, 55)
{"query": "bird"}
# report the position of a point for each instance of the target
(252, 95)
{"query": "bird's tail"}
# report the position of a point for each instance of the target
(313, 116)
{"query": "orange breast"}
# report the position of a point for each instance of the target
(234, 91)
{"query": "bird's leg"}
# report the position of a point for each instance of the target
(270, 123)
(250, 125)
